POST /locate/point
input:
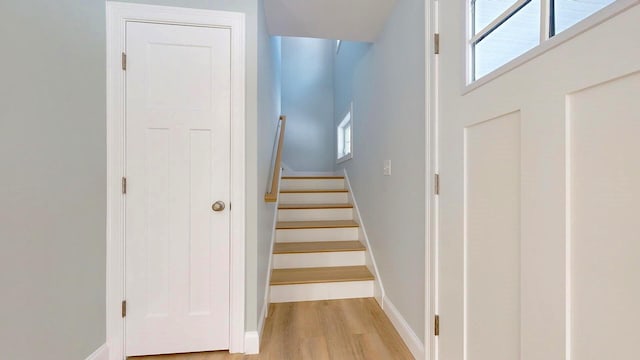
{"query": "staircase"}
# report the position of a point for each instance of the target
(317, 254)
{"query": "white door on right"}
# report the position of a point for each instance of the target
(539, 207)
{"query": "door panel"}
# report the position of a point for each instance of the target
(536, 240)
(605, 203)
(492, 221)
(177, 166)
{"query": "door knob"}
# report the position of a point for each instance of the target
(218, 206)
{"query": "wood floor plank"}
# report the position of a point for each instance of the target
(317, 247)
(320, 275)
(353, 329)
(314, 206)
(316, 224)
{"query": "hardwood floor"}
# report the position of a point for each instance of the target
(320, 330)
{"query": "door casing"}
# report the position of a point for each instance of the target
(118, 14)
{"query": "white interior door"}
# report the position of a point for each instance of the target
(177, 166)
(539, 249)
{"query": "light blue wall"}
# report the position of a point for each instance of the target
(307, 101)
(386, 81)
(53, 182)
(269, 107)
(53, 156)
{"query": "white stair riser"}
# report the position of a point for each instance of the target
(304, 235)
(314, 198)
(342, 258)
(321, 291)
(312, 184)
(315, 214)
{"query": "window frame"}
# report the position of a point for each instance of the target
(339, 128)
(548, 38)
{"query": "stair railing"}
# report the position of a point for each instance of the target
(276, 162)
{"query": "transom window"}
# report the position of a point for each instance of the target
(345, 136)
(502, 30)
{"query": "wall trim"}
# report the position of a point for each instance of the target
(102, 353)
(378, 288)
(118, 14)
(251, 342)
(431, 168)
(410, 338)
(262, 316)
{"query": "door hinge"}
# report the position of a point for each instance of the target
(124, 308)
(436, 325)
(436, 43)
(124, 185)
(436, 182)
(124, 61)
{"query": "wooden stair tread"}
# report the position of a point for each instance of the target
(316, 224)
(313, 191)
(320, 275)
(312, 177)
(317, 247)
(314, 206)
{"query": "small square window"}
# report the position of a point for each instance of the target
(345, 136)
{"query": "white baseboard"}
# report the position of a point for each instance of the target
(378, 289)
(102, 353)
(262, 317)
(251, 342)
(410, 338)
(267, 287)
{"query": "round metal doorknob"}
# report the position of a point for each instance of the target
(218, 206)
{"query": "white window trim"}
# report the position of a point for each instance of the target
(546, 44)
(118, 14)
(350, 154)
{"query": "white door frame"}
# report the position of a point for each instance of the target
(431, 167)
(118, 14)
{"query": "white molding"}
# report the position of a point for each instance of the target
(407, 334)
(378, 288)
(262, 316)
(102, 353)
(251, 342)
(118, 14)
(431, 168)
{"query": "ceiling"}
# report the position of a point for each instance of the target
(353, 20)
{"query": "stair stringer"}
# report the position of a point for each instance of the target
(370, 260)
(262, 316)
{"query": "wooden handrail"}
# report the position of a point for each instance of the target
(272, 194)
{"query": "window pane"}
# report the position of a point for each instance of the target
(513, 38)
(485, 11)
(340, 142)
(569, 12)
(347, 140)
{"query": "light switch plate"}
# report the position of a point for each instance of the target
(387, 167)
